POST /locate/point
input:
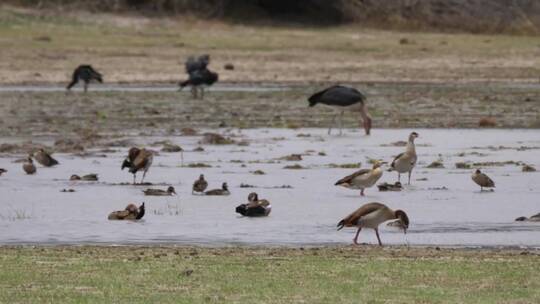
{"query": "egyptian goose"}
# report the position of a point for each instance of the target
(341, 96)
(371, 215)
(199, 185)
(482, 180)
(138, 159)
(130, 213)
(86, 73)
(158, 192)
(28, 166)
(362, 179)
(44, 158)
(534, 218)
(88, 177)
(406, 161)
(254, 207)
(223, 191)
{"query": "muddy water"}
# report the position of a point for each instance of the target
(33, 210)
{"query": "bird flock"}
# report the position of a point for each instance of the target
(369, 215)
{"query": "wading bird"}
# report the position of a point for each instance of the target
(86, 73)
(130, 213)
(343, 97)
(137, 160)
(198, 75)
(406, 161)
(371, 215)
(482, 180)
(362, 179)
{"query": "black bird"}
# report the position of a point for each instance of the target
(199, 75)
(85, 73)
(343, 97)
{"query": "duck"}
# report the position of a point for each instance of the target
(199, 185)
(2, 171)
(137, 160)
(130, 213)
(406, 161)
(223, 191)
(371, 215)
(389, 187)
(482, 180)
(158, 192)
(88, 177)
(534, 218)
(45, 159)
(28, 166)
(254, 207)
(362, 179)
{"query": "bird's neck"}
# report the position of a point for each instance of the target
(410, 146)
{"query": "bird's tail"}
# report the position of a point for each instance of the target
(141, 212)
(340, 225)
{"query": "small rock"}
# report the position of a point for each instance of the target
(294, 167)
(463, 165)
(528, 168)
(188, 132)
(436, 165)
(215, 139)
(259, 172)
(487, 122)
(171, 148)
(198, 149)
(229, 67)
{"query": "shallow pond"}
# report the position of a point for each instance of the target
(33, 210)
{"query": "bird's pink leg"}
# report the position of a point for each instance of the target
(355, 240)
(378, 238)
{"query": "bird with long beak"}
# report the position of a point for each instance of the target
(371, 215)
(362, 179)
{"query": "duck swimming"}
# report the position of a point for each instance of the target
(223, 191)
(28, 166)
(199, 185)
(158, 192)
(254, 207)
(88, 177)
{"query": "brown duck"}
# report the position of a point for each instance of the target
(137, 160)
(28, 166)
(255, 206)
(87, 177)
(223, 191)
(158, 192)
(199, 185)
(482, 180)
(371, 215)
(130, 213)
(45, 159)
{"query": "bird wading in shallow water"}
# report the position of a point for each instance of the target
(405, 162)
(343, 97)
(85, 73)
(362, 179)
(137, 160)
(371, 215)
(482, 180)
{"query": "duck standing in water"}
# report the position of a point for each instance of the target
(255, 207)
(223, 191)
(86, 73)
(482, 180)
(362, 179)
(130, 213)
(199, 185)
(138, 159)
(158, 192)
(45, 159)
(28, 166)
(406, 161)
(371, 215)
(88, 177)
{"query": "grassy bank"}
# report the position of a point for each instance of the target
(267, 275)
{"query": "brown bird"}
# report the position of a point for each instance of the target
(158, 192)
(371, 215)
(482, 180)
(406, 161)
(362, 179)
(199, 185)
(223, 191)
(130, 213)
(255, 206)
(138, 159)
(28, 166)
(88, 177)
(45, 159)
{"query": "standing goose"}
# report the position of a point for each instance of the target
(158, 192)
(255, 207)
(45, 159)
(85, 73)
(482, 180)
(362, 179)
(199, 185)
(223, 191)
(138, 159)
(371, 215)
(342, 96)
(406, 161)
(130, 213)
(28, 166)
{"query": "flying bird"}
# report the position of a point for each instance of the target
(371, 215)
(343, 97)
(85, 73)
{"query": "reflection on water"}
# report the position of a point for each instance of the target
(33, 210)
